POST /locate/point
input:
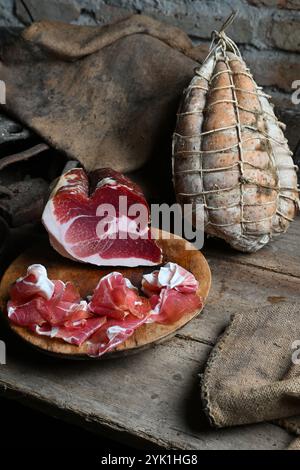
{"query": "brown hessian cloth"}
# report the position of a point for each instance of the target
(106, 96)
(253, 372)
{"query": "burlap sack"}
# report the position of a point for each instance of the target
(250, 376)
(106, 96)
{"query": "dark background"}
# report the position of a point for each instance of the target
(23, 427)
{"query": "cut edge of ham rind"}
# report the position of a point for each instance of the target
(74, 187)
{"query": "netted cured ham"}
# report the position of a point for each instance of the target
(230, 154)
(102, 219)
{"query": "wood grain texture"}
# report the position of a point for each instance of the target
(148, 399)
(153, 399)
(86, 277)
(281, 255)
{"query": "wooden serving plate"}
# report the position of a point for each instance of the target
(85, 277)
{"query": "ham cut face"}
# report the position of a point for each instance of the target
(54, 309)
(100, 219)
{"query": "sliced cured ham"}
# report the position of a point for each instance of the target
(116, 297)
(113, 333)
(100, 219)
(172, 292)
(26, 314)
(172, 276)
(35, 282)
(170, 305)
(115, 309)
(35, 299)
(74, 333)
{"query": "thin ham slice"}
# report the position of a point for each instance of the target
(172, 292)
(54, 309)
(113, 333)
(35, 282)
(172, 276)
(31, 303)
(116, 297)
(170, 305)
(75, 333)
(81, 225)
(26, 314)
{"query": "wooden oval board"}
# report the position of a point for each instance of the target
(86, 277)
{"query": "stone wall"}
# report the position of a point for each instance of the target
(267, 31)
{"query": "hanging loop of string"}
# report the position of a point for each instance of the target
(221, 40)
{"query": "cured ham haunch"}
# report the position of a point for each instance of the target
(100, 219)
(54, 309)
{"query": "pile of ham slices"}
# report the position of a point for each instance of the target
(110, 315)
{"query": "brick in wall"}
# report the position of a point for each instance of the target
(54, 10)
(288, 4)
(285, 32)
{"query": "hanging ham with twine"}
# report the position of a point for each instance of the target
(230, 154)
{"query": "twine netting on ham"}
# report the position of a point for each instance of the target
(230, 153)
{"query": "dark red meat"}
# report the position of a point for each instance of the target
(114, 332)
(35, 299)
(115, 310)
(116, 297)
(76, 333)
(172, 291)
(102, 220)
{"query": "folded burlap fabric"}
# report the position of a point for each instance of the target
(106, 96)
(252, 374)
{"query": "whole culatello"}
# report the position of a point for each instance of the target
(230, 153)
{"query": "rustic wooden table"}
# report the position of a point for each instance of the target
(152, 398)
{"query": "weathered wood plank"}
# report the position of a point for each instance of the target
(237, 287)
(152, 396)
(281, 255)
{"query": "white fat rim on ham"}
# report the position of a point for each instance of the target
(113, 331)
(10, 311)
(171, 275)
(51, 333)
(45, 286)
(112, 183)
(81, 306)
(116, 273)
